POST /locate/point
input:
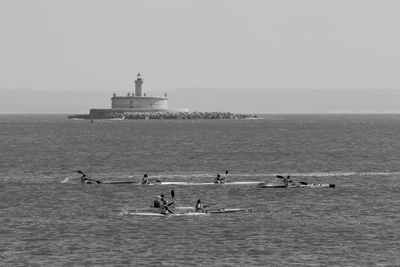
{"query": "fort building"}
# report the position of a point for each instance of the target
(139, 101)
(136, 105)
(136, 101)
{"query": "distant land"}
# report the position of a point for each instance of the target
(258, 101)
(289, 100)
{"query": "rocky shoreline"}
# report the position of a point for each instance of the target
(166, 116)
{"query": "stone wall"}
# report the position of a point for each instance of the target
(119, 112)
(139, 102)
(160, 114)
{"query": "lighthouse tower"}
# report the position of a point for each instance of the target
(138, 85)
(138, 101)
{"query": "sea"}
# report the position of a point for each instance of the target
(49, 218)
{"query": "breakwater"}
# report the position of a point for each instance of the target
(94, 114)
(187, 115)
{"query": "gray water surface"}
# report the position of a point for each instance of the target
(49, 219)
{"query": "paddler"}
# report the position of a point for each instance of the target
(165, 205)
(86, 180)
(161, 202)
(157, 201)
(288, 181)
(219, 179)
(199, 206)
(145, 179)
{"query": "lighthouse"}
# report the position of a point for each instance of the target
(138, 85)
(138, 101)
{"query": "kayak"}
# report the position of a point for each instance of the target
(121, 182)
(184, 211)
(315, 185)
(167, 215)
(191, 183)
(182, 183)
(153, 209)
(272, 185)
(211, 211)
(229, 210)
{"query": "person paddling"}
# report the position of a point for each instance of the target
(287, 180)
(84, 179)
(161, 203)
(145, 179)
(199, 206)
(219, 179)
(165, 206)
(87, 180)
(157, 201)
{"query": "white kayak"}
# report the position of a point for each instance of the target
(229, 210)
(185, 211)
(315, 185)
(207, 210)
(120, 182)
(182, 183)
(193, 183)
(166, 215)
(271, 185)
(299, 185)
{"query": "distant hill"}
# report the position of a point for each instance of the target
(52, 101)
(196, 99)
(288, 100)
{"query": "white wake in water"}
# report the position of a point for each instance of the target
(66, 180)
(294, 174)
(234, 176)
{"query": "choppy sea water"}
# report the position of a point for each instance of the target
(49, 219)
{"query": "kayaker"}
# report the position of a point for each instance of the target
(145, 179)
(165, 205)
(199, 206)
(286, 180)
(161, 202)
(219, 180)
(87, 180)
(84, 179)
(289, 181)
(157, 201)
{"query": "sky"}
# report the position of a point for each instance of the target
(99, 45)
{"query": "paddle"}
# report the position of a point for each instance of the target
(226, 175)
(172, 196)
(90, 178)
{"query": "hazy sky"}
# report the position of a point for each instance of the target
(101, 45)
